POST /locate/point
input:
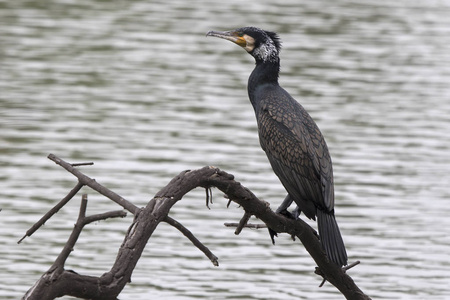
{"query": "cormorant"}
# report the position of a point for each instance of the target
(291, 139)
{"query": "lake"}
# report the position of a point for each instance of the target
(137, 88)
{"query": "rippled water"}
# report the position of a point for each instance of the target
(137, 88)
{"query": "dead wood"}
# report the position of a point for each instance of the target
(58, 281)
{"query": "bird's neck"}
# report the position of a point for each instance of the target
(264, 73)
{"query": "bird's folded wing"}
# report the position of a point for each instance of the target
(290, 135)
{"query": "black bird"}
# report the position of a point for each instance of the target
(291, 139)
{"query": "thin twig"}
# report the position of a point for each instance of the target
(348, 267)
(242, 223)
(208, 197)
(52, 211)
(251, 226)
(82, 164)
(193, 239)
(94, 184)
(322, 283)
(79, 225)
(344, 268)
(70, 244)
(104, 216)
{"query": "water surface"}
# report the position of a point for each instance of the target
(137, 88)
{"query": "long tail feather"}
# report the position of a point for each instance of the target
(331, 238)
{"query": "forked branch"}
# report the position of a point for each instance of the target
(58, 282)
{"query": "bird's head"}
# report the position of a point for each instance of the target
(263, 45)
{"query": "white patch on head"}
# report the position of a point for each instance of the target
(266, 52)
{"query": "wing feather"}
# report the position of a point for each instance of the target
(297, 152)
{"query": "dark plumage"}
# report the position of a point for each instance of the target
(291, 139)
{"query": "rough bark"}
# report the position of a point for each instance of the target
(58, 281)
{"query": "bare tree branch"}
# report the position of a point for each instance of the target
(104, 216)
(193, 239)
(70, 244)
(58, 282)
(242, 223)
(53, 211)
(307, 235)
(252, 226)
(85, 180)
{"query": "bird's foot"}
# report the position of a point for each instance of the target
(290, 215)
(294, 215)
